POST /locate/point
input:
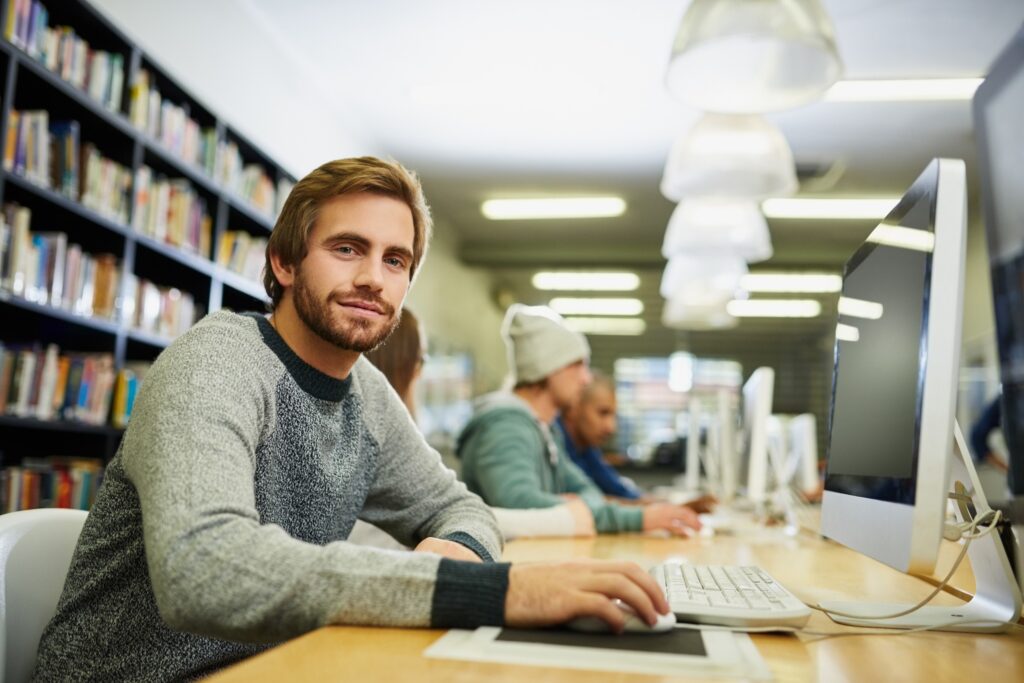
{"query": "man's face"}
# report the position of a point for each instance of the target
(594, 418)
(354, 278)
(567, 384)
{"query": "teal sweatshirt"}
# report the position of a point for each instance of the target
(512, 460)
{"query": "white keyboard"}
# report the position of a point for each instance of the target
(728, 595)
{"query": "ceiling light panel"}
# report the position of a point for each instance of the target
(597, 306)
(774, 308)
(906, 90)
(608, 326)
(617, 281)
(553, 207)
(806, 207)
(800, 283)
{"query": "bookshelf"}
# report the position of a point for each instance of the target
(142, 124)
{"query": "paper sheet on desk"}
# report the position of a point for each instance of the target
(680, 652)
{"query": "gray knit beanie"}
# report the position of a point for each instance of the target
(539, 342)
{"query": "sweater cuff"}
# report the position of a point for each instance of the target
(462, 538)
(633, 518)
(469, 594)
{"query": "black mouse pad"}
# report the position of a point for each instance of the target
(677, 641)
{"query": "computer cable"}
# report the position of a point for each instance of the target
(972, 533)
(969, 531)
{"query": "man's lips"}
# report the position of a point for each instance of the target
(364, 306)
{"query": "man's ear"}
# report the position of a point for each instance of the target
(285, 273)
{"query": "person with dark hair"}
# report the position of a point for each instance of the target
(588, 424)
(221, 524)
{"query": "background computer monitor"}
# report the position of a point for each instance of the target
(757, 407)
(998, 116)
(803, 452)
(894, 389)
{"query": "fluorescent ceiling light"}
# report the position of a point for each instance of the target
(773, 308)
(808, 207)
(578, 306)
(553, 207)
(847, 333)
(617, 326)
(905, 90)
(586, 281)
(904, 238)
(792, 282)
(859, 308)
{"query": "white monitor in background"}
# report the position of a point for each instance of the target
(891, 432)
(803, 452)
(757, 407)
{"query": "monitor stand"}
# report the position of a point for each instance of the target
(997, 600)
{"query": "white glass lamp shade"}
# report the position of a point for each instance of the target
(728, 155)
(703, 276)
(680, 315)
(734, 225)
(750, 56)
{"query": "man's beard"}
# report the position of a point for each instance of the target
(360, 334)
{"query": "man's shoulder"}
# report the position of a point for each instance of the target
(222, 339)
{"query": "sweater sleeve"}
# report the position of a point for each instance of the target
(413, 494)
(502, 455)
(608, 517)
(215, 569)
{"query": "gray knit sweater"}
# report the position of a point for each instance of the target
(220, 526)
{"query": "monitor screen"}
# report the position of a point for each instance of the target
(879, 375)
(998, 112)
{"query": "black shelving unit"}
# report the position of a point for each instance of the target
(25, 84)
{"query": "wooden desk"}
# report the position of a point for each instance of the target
(812, 568)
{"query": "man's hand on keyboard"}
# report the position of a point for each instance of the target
(676, 519)
(551, 593)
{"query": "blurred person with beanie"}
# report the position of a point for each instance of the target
(510, 454)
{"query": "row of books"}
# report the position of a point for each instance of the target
(98, 73)
(171, 125)
(164, 311)
(45, 268)
(171, 211)
(48, 155)
(48, 384)
(249, 181)
(54, 482)
(242, 253)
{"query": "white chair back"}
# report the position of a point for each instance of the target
(35, 554)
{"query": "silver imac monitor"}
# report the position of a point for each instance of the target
(757, 408)
(892, 424)
(803, 452)
(894, 388)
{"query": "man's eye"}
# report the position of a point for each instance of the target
(344, 249)
(395, 262)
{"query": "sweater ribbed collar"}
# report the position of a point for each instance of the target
(311, 380)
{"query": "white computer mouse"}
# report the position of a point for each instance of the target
(634, 624)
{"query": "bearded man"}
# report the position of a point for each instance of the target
(254, 445)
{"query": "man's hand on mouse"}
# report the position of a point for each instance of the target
(544, 594)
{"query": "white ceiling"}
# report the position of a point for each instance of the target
(556, 96)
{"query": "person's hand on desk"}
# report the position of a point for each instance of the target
(544, 594)
(703, 504)
(449, 549)
(676, 519)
